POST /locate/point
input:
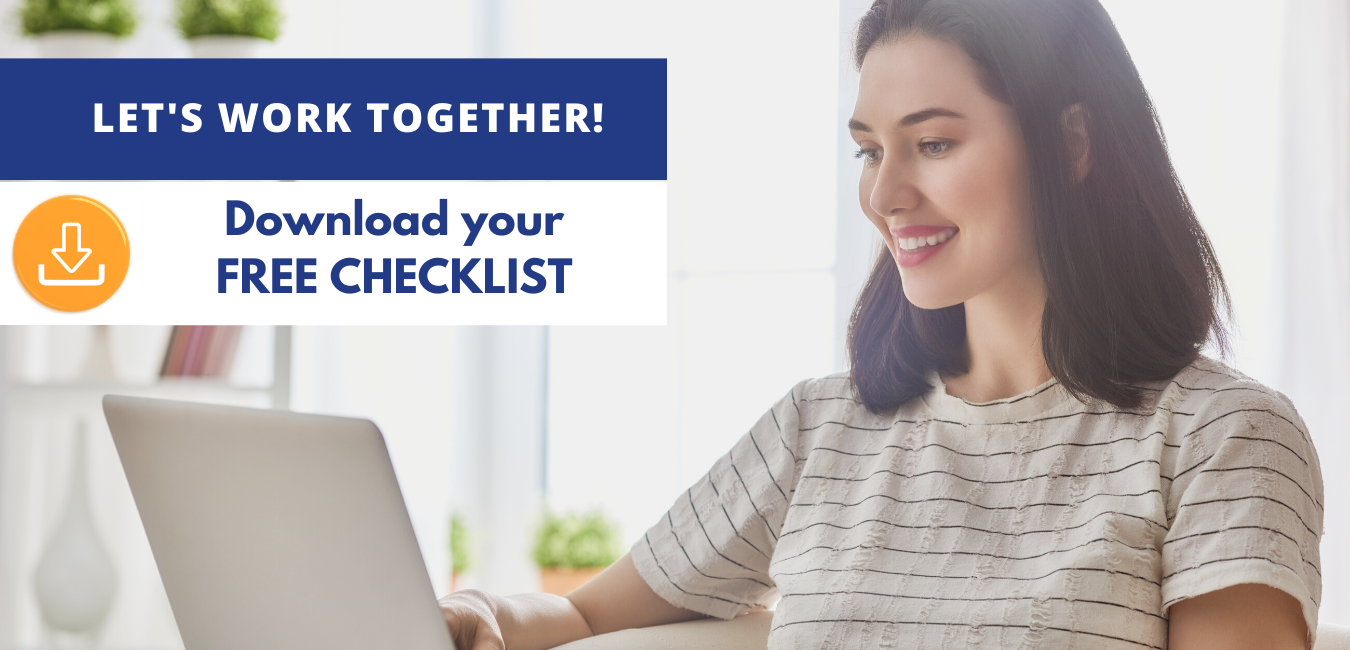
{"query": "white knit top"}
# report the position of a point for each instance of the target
(1034, 521)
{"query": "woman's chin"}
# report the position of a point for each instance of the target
(931, 300)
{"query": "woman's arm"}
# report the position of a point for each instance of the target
(617, 599)
(1247, 616)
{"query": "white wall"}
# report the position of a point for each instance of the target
(496, 461)
(637, 414)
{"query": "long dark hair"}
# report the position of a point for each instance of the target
(1133, 289)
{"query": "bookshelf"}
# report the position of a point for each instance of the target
(40, 411)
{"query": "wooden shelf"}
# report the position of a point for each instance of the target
(76, 396)
(167, 385)
(94, 647)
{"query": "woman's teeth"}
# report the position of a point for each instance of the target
(912, 244)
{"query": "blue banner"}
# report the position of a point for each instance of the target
(333, 119)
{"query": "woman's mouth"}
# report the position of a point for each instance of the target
(918, 243)
(915, 244)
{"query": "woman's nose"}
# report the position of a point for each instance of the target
(893, 190)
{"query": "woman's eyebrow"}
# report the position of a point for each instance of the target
(928, 114)
(911, 119)
(855, 125)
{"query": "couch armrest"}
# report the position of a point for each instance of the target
(749, 632)
(1332, 637)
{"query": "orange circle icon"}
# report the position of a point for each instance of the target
(71, 253)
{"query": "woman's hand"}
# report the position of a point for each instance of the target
(472, 618)
(617, 599)
(482, 621)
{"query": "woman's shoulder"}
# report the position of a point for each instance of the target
(1224, 407)
(1210, 384)
(832, 397)
(1243, 488)
(836, 386)
(831, 404)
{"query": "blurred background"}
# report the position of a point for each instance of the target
(493, 427)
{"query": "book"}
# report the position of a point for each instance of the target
(201, 351)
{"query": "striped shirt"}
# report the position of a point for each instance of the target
(1034, 521)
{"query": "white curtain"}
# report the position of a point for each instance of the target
(1311, 296)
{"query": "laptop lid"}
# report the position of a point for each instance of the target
(276, 530)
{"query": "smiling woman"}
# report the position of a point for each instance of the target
(1029, 449)
(1066, 263)
(1139, 272)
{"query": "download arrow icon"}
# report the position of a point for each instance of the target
(65, 254)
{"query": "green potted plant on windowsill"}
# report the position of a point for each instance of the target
(226, 29)
(77, 28)
(571, 548)
(461, 558)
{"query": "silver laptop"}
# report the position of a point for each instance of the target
(275, 530)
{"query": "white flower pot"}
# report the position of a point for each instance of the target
(228, 47)
(76, 44)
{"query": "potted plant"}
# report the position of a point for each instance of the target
(222, 29)
(461, 559)
(570, 549)
(77, 28)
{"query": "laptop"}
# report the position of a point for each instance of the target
(276, 530)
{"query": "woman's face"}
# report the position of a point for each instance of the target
(944, 173)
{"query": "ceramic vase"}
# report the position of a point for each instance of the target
(222, 46)
(76, 44)
(75, 579)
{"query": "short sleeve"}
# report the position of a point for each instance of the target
(1246, 501)
(710, 552)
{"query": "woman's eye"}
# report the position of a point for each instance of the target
(869, 156)
(934, 148)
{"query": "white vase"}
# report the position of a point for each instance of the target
(76, 44)
(75, 579)
(221, 46)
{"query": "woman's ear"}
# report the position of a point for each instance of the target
(1074, 119)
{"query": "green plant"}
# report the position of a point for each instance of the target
(110, 16)
(257, 18)
(576, 541)
(460, 558)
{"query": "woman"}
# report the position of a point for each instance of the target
(1029, 449)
